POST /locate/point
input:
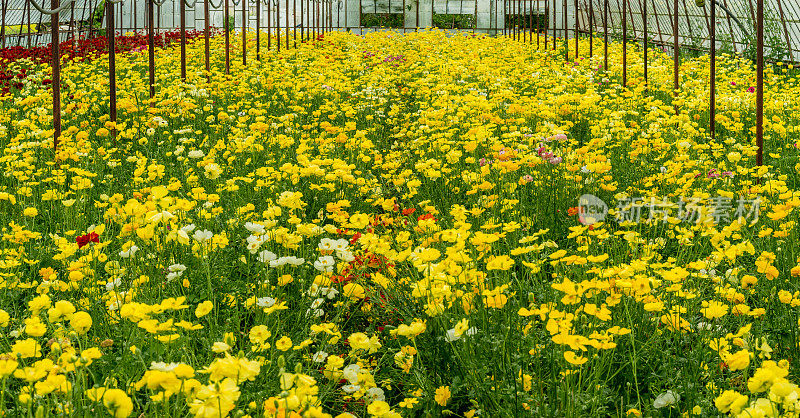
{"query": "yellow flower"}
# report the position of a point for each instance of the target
(502, 262)
(354, 291)
(284, 343)
(442, 395)
(30, 212)
(378, 408)
(730, 401)
(119, 405)
(203, 309)
(81, 322)
(573, 358)
(739, 360)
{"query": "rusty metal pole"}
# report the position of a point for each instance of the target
(591, 28)
(644, 22)
(547, 21)
(759, 81)
(269, 25)
(244, 32)
(677, 58)
(294, 22)
(206, 35)
(56, 67)
(286, 18)
(278, 23)
(3, 25)
(624, 44)
(151, 48)
(605, 34)
(112, 67)
(225, 25)
(576, 29)
(712, 102)
(183, 40)
(303, 21)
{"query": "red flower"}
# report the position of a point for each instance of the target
(408, 211)
(426, 217)
(355, 238)
(85, 239)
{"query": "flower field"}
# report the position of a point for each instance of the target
(389, 225)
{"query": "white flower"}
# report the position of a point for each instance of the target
(266, 256)
(317, 303)
(319, 357)
(666, 399)
(254, 242)
(163, 367)
(351, 373)
(374, 394)
(254, 228)
(351, 388)
(265, 302)
(451, 336)
(188, 228)
(196, 154)
(291, 260)
(175, 271)
(131, 251)
(202, 236)
(345, 255)
(325, 264)
(113, 284)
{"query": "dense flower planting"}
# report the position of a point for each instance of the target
(390, 225)
(11, 76)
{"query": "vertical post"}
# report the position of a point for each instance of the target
(206, 35)
(547, 21)
(244, 32)
(605, 35)
(624, 43)
(303, 24)
(591, 28)
(258, 30)
(677, 58)
(3, 25)
(712, 102)
(72, 27)
(644, 23)
(226, 16)
(112, 67)
(554, 25)
(294, 22)
(183, 40)
(576, 29)
(151, 48)
(566, 30)
(269, 25)
(278, 23)
(56, 66)
(286, 21)
(759, 81)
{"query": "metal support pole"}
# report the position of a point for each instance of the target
(677, 58)
(244, 32)
(183, 40)
(56, 67)
(226, 14)
(151, 48)
(624, 44)
(712, 102)
(759, 81)
(112, 67)
(206, 35)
